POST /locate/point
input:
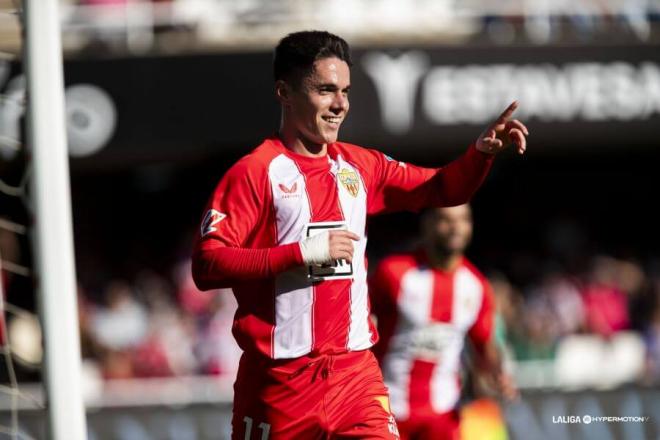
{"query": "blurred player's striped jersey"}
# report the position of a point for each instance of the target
(424, 315)
(271, 196)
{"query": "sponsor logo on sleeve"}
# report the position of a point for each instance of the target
(389, 159)
(211, 218)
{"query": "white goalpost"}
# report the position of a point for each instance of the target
(53, 223)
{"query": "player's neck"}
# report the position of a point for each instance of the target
(292, 140)
(444, 261)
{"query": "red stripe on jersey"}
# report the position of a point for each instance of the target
(419, 388)
(443, 296)
(331, 298)
(254, 322)
(384, 291)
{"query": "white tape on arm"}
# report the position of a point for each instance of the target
(316, 249)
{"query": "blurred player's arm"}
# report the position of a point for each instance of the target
(488, 357)
(490, 366)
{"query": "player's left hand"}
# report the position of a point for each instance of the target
(504, 132)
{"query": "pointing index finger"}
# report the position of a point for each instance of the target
(506, 114)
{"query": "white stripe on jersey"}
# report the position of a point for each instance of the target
(414, 323)
(416, 297)
(468, 294)
(354, 209)
(415, 302)
(445, 389)
(294, 295)
(467, 297)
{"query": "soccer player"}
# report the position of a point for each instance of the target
(285, 229)
(427, 303)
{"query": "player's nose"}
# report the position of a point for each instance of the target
(339, 103)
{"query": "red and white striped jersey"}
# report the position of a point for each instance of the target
(424, 315)
(268, 197)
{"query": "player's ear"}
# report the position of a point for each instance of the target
(282, 92)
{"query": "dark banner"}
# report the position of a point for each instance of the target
(409, 102)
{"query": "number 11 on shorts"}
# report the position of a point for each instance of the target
(265, 428)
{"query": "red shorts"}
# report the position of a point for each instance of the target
(445, 426)
(325, 397)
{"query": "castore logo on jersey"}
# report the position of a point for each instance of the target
(288, 192)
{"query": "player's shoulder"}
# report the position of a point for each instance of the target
(257, 161)
(398, 264)
(358, 154)
(472, 269)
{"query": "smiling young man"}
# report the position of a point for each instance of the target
(285, 229)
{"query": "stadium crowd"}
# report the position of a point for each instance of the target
(157, 326)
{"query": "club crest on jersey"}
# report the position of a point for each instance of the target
(350, 180)
(211, 218)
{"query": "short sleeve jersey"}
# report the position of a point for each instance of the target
(424, 316)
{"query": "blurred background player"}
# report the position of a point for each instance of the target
(278, 219)
(427, 303)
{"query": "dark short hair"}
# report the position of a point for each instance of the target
(296, 53)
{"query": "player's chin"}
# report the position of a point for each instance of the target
(330, 136)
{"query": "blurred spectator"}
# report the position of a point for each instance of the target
(192, 300)
(606, 304)
(652, 336)
(102, 2)
(218, 351)
(540, 331)
(508, 304)
(116, 327)
(158, 326)
(168, 348)
(122, 322)
(565, 301)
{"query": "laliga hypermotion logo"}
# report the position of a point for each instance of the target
(350, 180)
(211, 218)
